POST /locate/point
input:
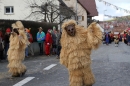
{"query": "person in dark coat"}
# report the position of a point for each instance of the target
(1, 46)
(128, 37)
(125, 37)
(107, 38)
(58, 44)
(120, 37)
(54, 37)
(6, 41)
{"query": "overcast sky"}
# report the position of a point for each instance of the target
(101, 7)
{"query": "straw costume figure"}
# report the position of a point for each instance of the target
(116, 41)
(16, 52)
(77, 44)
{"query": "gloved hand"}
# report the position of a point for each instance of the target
(48, 43)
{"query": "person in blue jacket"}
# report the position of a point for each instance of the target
(41, 39)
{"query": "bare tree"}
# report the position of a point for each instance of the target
(49, 11)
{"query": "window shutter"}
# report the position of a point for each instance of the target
(82, 18)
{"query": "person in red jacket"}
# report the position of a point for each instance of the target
(48, 42)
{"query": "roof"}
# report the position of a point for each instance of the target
(89, 6)
(67, 8)
(62, 3)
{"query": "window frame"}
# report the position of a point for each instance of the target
(11, 8)
(81, 18)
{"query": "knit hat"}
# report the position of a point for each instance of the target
(8, 30)
(54, 28)
(49, 30)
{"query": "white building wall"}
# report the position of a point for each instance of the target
(80, 11)
(22, 9)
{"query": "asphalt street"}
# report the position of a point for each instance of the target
(110, 65)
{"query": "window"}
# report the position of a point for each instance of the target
(9, 10)
(80, 18)
(73, 17)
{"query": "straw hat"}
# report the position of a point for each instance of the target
(40, 28)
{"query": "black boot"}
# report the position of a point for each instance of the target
(16, 75)
(24, 73)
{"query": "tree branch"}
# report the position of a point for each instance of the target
(32, 13)
(51, 10)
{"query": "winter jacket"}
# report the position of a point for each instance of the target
(128, 38)
(40, 37)
(58, 39)
(1, 45)
(54, 37)
(6, 39)
(48, 39)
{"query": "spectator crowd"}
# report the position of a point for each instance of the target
(49, 43)
(117, 37)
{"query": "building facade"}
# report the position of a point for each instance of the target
(23, 9)
(14, 9)
(79, 10)
(84, 9)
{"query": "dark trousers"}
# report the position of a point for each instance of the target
(1, 55)
(58, 50)
(41, 47)
(125, 41)
(6, 50)
(54, 51)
